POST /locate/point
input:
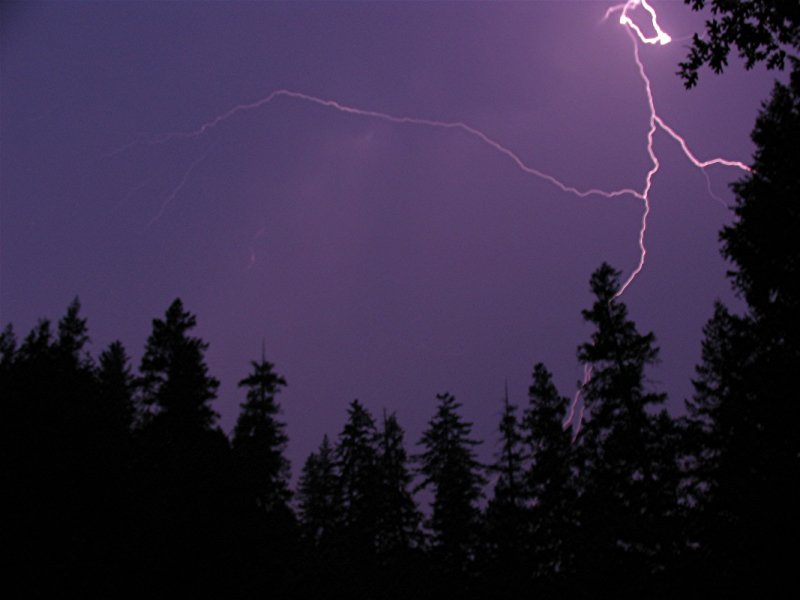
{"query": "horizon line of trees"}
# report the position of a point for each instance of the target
(131, 473)
(131, 470)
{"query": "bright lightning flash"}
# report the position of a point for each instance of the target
(661, 37)
(656, 122)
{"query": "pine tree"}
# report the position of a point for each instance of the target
(357, 460)
(620, 482)
(183, 465)
(762, 242)
(448, 465)
(72, 334)
(398, 517)
(320, 497)
(509, 466)
(507, 523)
(259, 439)
(549, 477)
(176, 386)
(112, 417)
(746, 453)
(116, 386)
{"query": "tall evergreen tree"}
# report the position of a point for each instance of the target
(259, 439)
(549, 477)
(507, 532)
(182, 467)
(725, 472)
(320, 497)
(620, 478)
(357, 460)
(398, 517)
(510, 463)
(761, 242)
(745, 407)
(113, 420)
(73, 335)
(450, 467)
(176, 386)
(116, 387)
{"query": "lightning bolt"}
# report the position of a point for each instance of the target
(655, 123)
(587, 376)
(661, 38)
(401, 120)
(176, 190)
(252, 260)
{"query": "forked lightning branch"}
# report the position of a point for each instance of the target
(627, 13)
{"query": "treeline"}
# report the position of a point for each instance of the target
(126, 477)
(120, 481)
(123, 479)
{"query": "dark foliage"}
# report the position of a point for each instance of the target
(176, 389)
(744, 453)
(320, 497)
(449, 467)
(550, 480)
(259, 440)
(627, 485)
(398, 524)
(507, 533)
(761, 30)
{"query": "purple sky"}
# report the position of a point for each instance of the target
(377, 261)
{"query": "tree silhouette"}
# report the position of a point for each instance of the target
(116, 387)
(744, 409)
(69, 439)
(620, 479)
(73, 335)
(320, 497)
(114, 416)
(549, 477)
(762, 242)
(182, 466)
(321, 509)
(761, 30)
(510, 463)
(507, 516)
(176, 387)
(448, 465)
(400, 545)
(398, 517)
(357, 461)
(33, 457)
(259, 440)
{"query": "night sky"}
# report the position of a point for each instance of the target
(374, 260)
